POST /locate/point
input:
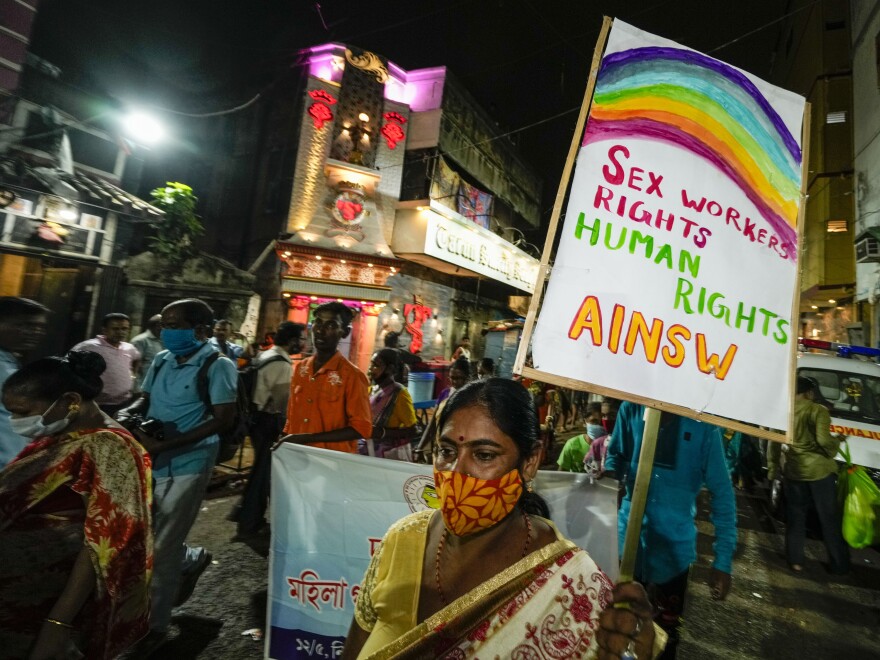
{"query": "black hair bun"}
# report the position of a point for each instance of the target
(86, 365)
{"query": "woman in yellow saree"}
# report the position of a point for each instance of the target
(488, 575)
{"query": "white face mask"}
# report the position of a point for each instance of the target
(33, 426)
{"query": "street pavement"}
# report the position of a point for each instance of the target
(770, 612)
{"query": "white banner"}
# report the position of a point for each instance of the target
(329, 512)
(677, 262)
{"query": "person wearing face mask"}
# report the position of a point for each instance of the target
(184, 459)
(573, 454)
(472, 578)
(76, 546)
(609, 413)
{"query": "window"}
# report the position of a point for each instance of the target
(836, 117)
(836, 226)
(851, 395)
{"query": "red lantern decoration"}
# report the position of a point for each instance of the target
(395, 116)
(392, 134)
(320, 114)
(321, 95)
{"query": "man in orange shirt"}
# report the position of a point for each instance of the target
(329, 403)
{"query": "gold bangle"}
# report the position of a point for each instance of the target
(59, 623)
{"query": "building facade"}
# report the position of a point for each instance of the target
(813, 58)
(404, 203)
(866, 144)
(65, 222)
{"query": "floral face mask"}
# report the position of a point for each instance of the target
(469, 504)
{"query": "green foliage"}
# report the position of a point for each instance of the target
(176, 232)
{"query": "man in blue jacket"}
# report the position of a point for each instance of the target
(689, 455)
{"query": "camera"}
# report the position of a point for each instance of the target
(152, 427)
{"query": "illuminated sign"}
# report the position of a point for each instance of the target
(468, 245)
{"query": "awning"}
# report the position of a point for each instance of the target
(23, 178)
(441, 239)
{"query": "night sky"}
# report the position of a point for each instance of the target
(523, 60)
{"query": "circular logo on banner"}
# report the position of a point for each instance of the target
(419, 493)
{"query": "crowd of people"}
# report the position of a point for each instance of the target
(107, 451)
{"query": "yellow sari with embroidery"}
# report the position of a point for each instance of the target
(546, 605)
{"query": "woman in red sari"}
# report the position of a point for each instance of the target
(488, 575)
(76, 551)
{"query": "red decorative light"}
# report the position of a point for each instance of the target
(321, 95)
(349, 210)
(392, 134)
(420, 313)
(394, 116)
(320, 114)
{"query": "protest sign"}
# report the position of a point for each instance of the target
(329, 512)
(676, 276)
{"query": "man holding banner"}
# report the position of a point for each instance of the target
(329, 403)
(689, 454)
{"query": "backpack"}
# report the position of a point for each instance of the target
(232, 438)
(247, 378)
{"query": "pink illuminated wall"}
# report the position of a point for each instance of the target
(420, 89)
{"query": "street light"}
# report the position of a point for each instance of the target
(143, 128)
(143, 132)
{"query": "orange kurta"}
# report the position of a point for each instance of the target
(333, 398)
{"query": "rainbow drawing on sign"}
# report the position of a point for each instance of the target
(699, 104)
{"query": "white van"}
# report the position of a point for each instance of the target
(851, 388)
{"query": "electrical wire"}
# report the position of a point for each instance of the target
(219, 113)
(407, 21)
(763, 27)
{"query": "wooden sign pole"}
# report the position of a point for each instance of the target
(640, 495)
(796, 298)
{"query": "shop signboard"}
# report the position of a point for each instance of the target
(676, 278)
(329, 512)
(461, 242)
